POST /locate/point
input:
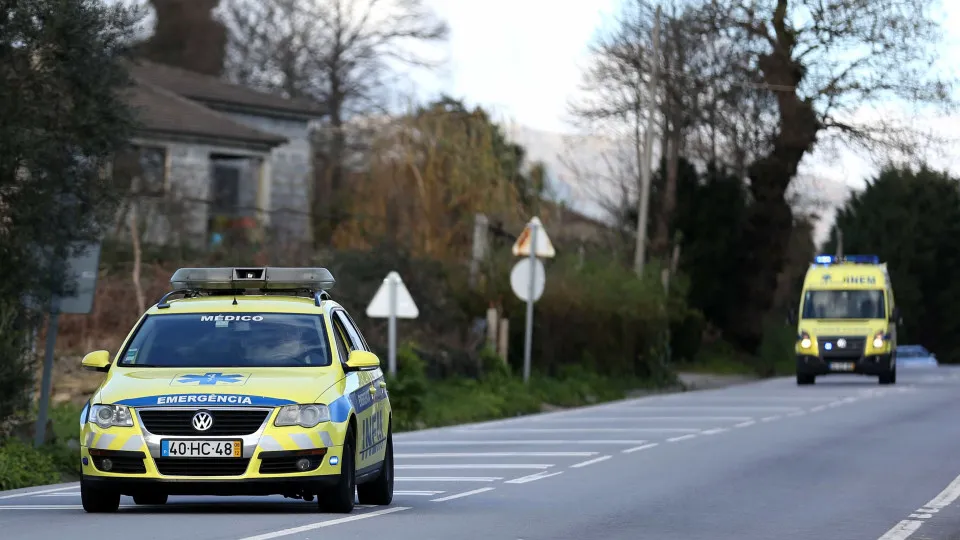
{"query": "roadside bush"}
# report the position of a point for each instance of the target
(21, 465)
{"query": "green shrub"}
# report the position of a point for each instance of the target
(21, 465)
(776, 351)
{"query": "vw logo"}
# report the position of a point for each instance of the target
(202, 421)
(840, 343)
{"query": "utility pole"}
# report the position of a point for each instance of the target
(839, 243)
(645, 168)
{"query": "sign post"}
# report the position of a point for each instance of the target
(392, 301)
(81, 277)
(533, 242)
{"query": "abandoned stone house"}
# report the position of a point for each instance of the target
(209, 154)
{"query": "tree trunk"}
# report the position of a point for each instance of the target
(770, 220)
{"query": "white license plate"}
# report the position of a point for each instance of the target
(203, 449)
(841, 366)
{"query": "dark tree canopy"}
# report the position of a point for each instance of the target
(62, 115)
(910, 217)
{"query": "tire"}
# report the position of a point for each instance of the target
(98, 500)
(380, 491)
(888, 378)
(803, 380)
(154, 499)
(340, 498)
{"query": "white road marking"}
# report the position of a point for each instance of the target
(461, 495)
(649, 418)
(496, 454)
(590, 462)
(906, 528)
(714, 431)
(448, 478)
(478, 466)
(74, 494)
(770, 418)
(328, 523)
(920, 516)
(532, 477)
(797, 413)
(682, 438)
(639, 448)
(835, 404)
(586, 430)
(418, 493)
(745, 424)
(712, 408)
(902, 530)
(819, 408)
(31, 493)
(757, 398)
(534, 442)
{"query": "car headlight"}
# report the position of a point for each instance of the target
(302, 415)
(878, 340)
(107, 416)
(805, 341)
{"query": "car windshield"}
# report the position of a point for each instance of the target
(843, 304)
(217, 340)
(912, 351)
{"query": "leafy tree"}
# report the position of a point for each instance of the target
(61, 116)
(911, 219)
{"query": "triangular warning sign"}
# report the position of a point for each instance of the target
(379, 307)
(544, 247)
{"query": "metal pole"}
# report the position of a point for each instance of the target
(392, 325)
(645, 169)
(528, 331)
(40, 431)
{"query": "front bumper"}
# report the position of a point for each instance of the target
(267, 462)
(876, 364)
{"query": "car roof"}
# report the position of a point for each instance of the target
(244, 304)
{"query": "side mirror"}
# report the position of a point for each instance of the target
(97, 361)
(791, 316)
(895, 316)
(362, 361)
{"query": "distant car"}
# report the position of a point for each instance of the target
(915, 355)
(242, 387)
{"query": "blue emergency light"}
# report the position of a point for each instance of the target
(862, 259)
(825, 259)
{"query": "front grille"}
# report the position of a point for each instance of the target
(853, 348)
(201, 466)
(179, 422)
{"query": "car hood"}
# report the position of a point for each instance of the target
(271, 387)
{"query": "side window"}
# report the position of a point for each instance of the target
(342, 349)
(356, 340)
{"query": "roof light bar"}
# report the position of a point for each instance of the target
(856, 259)
(264, 277)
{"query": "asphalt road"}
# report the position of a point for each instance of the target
(844, 459)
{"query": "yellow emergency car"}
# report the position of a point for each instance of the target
(252, 381)
(847, 320)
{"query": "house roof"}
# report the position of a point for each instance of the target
(161, 111)
(214, 91)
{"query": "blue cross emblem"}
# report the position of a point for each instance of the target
(208, 379)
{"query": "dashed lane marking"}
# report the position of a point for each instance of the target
(495, 454)
(36, 492)
(770, 418)
(448, 478)
(682, 438)
(714, 431)
(584, 430)
(477, 466)
(418, 493)
(527, 442)
(906, 528)
(462, 495)
(635, 418)
(532, 477)
(745, 424)
(590, 462)
(328, 523)
(639, 448)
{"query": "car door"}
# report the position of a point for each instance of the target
(366, 397)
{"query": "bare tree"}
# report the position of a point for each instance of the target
(823, 61)
(340, 53)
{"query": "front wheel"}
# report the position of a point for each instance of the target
(98, 500)
(803, 380)
(340, 498)
(888, 378)
(380, 491)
